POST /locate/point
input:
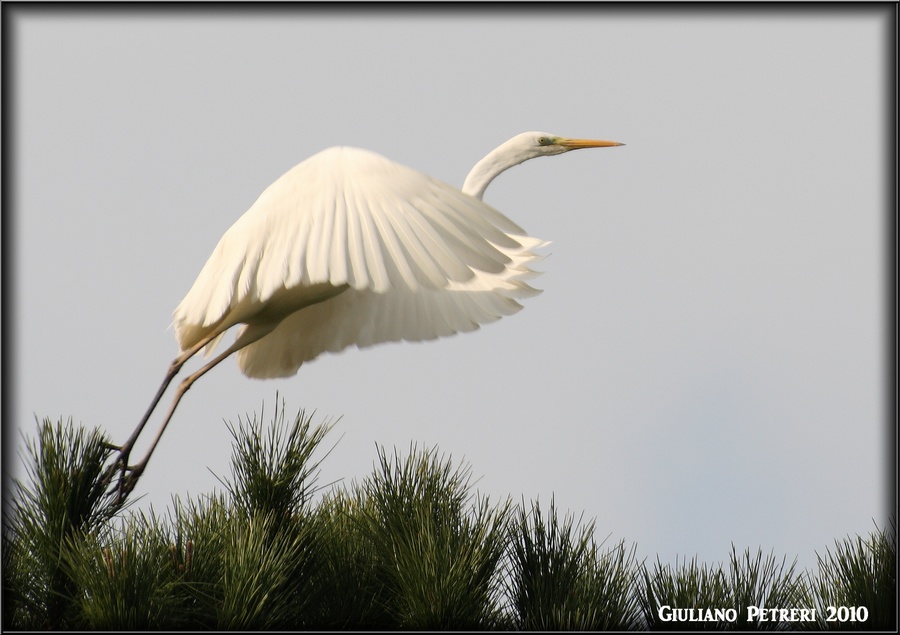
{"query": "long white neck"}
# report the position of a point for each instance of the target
(500, 159)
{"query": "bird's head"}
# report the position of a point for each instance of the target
(522, 147)
(545, 144)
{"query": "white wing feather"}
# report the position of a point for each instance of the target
(420, 260)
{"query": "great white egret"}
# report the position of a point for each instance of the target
(348, 248)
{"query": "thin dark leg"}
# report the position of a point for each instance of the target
(131, 474)
(176, 365)
(129, 480)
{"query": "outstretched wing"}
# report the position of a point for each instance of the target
(419, 260)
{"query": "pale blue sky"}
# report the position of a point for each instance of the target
(706, 364)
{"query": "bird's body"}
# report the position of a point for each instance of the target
(371, 250)
(349, 248)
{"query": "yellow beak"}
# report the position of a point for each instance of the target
(587, 143)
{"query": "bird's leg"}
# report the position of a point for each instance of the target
(124, 450)
(127, 482)
(131, 474)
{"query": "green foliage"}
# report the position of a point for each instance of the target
(411, 547)
(62, 501)
(197, 532)
(270, 553)
(748, 581)
(860, 573)
(250, 558)
(437, 556)
(351, 592)
(125, 582)
(262, 566)
(688, 585)
(559, 579)
(274, 473)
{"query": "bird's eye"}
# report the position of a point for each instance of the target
(544, 141)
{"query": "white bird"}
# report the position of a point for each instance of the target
(350, 248)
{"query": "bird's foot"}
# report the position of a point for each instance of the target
(128, 475)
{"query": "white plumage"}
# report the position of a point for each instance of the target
(408, 257)
(349, 248)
